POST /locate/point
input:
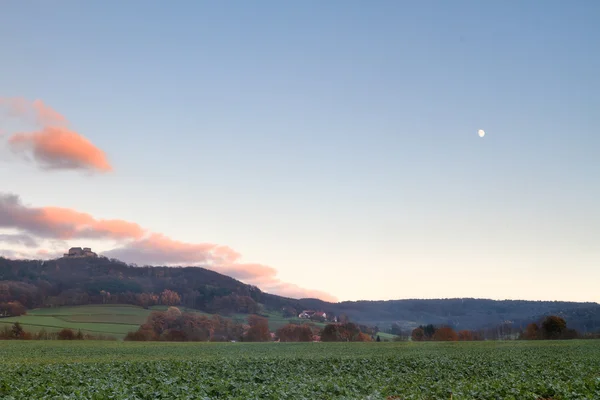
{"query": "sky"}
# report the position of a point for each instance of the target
(314, 149)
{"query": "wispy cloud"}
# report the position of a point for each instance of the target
(55, 145)
(137, 245)
(20, 239)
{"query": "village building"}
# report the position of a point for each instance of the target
(308, 314)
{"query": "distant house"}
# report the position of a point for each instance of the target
(308, 314)
(78, 252)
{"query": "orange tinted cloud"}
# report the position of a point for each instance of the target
(62, 223)
(141, 246)
(60, 148)
(54, 146)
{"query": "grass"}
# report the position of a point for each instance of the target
(469, 370)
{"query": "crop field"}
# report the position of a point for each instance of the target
(126, 370)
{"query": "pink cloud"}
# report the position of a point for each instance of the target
(62, 223)
(60, 148)
(156, 248)
(54, 146)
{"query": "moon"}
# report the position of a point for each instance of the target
(481, 133)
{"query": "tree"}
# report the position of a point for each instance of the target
(378, 338)
(259, 329)
(173, 313)
(363, 337)
(347, 332)
(12, 309)
(17, 330)
(465, 335)
(289, 312)
(169, 298)
(445, 334)
(66, 334)
(418, 335)
(428, 331)
(294, 333)
(553, 327)
(532, 332)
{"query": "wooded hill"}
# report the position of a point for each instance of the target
(79, 281)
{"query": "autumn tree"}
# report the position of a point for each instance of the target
(12, 309)
(259, 329)
(363, 337)
(173, 325)
(173, 313)
(146, 299)
(465, 335)
(294, 333)
(532, 332)
(170, 298)
(445, 334)
(418, 335)
(348, 332)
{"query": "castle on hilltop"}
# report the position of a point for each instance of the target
(78, 252)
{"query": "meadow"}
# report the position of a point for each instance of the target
(113, 320)
(464, 370)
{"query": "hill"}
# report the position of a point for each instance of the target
(97, 281)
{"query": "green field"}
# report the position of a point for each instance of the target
(113, 320)
(429, 371)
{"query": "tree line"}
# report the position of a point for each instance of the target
(174, 325)
(549, 328)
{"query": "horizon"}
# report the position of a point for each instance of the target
(339, 151)
(341, 301)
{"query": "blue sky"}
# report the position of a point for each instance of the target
(335, 142)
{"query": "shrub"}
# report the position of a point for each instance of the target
(66, 334)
